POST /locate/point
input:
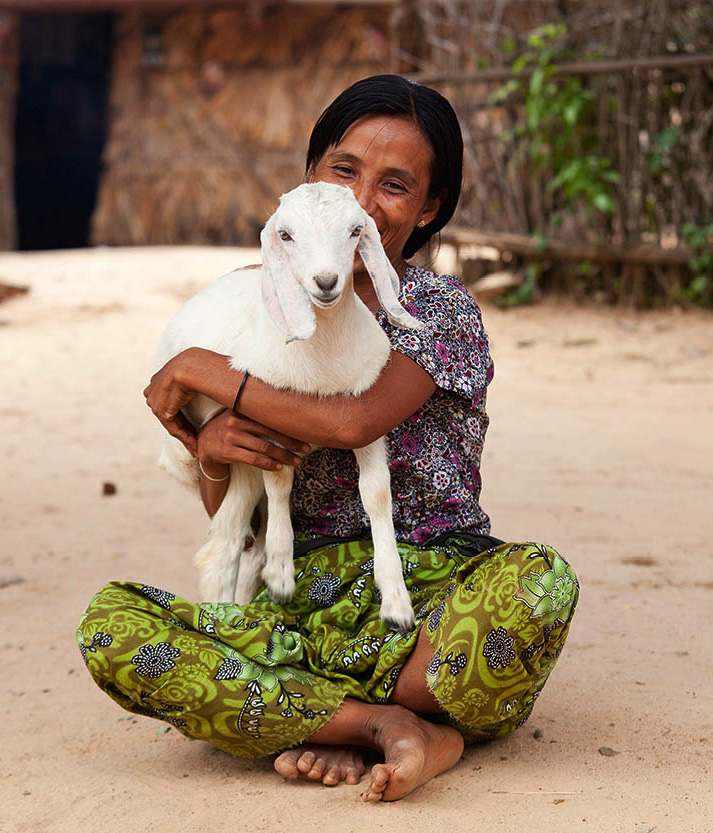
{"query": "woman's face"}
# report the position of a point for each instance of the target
(386, 161)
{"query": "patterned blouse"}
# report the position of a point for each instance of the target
(435, 453)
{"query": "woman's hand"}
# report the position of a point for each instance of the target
(231, 438)
(166, 394)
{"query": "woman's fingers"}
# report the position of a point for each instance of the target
(230, 438)
(257, 450)
(165, 394)
(290, 443)
(180, 428)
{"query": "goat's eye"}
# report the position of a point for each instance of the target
(284, 235)
(357, 231)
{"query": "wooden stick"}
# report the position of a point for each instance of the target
(569, 68)
(534, 792)
(525, 245)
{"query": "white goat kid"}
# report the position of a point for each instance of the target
(297, 324)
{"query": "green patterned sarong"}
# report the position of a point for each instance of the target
(260, 678)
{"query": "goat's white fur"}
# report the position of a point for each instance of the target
(286, 329)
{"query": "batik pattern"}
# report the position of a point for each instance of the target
(262, 677)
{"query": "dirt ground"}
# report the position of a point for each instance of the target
(601, 443)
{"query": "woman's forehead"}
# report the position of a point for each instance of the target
(396, 140)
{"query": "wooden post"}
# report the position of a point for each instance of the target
(9, 61)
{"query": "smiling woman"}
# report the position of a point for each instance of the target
(386, 161)
(321, 676)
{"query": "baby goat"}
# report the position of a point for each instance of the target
(297, 324)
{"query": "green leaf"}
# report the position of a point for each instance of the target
(543, 608)
(545, 56)
(508, 47)
(530, 590)
(536, 82)
(603, 202)
(559, 565)
(667, 139)
(547, 580)
(699, 284)
(520, 64)
(571, 112)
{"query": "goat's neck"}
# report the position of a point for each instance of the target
(348, 348)
(338, 318)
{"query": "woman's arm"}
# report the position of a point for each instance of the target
(333, 421)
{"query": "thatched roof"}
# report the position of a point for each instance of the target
(122, 5)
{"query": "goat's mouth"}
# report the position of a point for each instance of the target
(325, 300)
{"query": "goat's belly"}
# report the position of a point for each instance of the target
(324, 380)
(324, 367)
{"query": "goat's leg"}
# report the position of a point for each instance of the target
(375, 491)
(218, 560)
(252, 561)
(279, 571)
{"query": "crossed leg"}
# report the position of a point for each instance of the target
(414, 749)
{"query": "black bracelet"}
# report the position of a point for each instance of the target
(240, 392)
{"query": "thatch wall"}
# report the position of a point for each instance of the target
(9, 54)
(200, 147)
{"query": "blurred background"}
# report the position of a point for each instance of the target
(588, 128)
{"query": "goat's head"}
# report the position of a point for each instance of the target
(308, 248)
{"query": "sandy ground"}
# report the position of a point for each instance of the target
(601, 444)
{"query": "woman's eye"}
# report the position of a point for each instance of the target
(284, 235)
(395, 186)
(343, 169)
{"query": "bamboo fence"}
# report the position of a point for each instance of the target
(649, 66)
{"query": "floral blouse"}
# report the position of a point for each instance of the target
(435, 454)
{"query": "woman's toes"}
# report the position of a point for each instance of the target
(380, 775)
(316, 772)
(306, 761)
(327, 764)
(286, 764)
(332, 776)
(353, 775)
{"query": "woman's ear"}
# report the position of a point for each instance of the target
(432, 207)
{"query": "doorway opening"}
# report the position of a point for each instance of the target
(61, 126)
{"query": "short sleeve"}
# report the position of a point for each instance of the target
(453, 345)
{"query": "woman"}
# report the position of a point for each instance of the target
(321, 676)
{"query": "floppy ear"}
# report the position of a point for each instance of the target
(383, 276)
(285, 299)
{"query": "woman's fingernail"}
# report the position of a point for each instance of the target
(305, 448)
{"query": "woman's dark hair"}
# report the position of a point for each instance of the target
(427, 109)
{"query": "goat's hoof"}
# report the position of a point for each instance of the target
(393, 625)
(282, 588)
(398, 617)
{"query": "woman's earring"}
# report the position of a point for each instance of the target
(421, 223)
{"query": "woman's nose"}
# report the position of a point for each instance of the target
(365, 197)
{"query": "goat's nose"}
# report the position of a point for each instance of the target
(326, 280)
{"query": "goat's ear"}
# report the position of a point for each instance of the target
(383, 276)
(285, 299)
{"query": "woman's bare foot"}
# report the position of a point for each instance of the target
(328, 764)
(414, 750)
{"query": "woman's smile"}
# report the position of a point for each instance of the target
(386, 161)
